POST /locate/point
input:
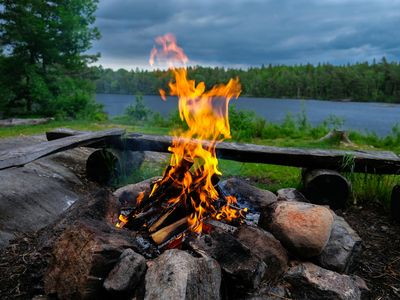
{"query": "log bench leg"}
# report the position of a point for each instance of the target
(107, 165)
(326, 187)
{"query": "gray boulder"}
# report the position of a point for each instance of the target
(243, 270)
(177, 275)
(309, 281)
(126, 274)
(265, 246)
(343, 247)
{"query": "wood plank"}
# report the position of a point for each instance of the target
(375, 162)
(23, 155)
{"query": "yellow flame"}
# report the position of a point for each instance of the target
(206, 114)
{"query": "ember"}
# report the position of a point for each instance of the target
(188, 193)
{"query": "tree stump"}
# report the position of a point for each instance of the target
(326, 187)
(338, 136)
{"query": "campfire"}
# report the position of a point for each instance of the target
(188, 236)
(188, 197)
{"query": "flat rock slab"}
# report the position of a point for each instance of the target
(342, 249)
(126, 274)
(258, 199)
(177, 275)
(303, 228)
(33, 196)
(265, 246)
(312, 282)
(242, 269)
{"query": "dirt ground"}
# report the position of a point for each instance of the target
(379, 264)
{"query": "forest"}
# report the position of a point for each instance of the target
(376, 81)
(44, 59)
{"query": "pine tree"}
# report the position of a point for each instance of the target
(44, 65)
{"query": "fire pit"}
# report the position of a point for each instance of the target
(187, 235)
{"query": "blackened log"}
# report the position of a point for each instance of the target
(326, 187)
(23, 155)
(169, 231)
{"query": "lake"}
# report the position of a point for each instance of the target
(365, 117)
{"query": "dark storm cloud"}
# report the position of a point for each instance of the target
(253, 32)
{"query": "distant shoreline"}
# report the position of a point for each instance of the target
(280, 98)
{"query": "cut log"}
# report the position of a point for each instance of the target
(105, 165)
(326, 187)
(23, 155)
(14, 122)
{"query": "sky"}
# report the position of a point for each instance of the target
(244, 33)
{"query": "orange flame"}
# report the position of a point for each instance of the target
(206, 114)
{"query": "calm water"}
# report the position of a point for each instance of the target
(376, 117)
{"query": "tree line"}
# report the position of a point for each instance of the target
(376, 81)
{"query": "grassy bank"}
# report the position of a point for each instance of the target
(295, 131)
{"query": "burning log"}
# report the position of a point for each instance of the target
(170, 231)
(326, 187)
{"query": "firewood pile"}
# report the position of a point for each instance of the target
(168, 213)
(285, 248)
